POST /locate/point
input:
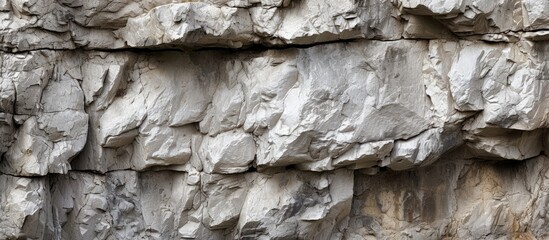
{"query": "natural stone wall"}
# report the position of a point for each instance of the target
(454, 199)
(288, 119)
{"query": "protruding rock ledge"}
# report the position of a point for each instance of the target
(48, 24)
(366, 104)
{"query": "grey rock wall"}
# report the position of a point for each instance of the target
(274, 119)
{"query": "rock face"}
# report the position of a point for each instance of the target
(274, 119)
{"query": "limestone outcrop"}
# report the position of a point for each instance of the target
(274, 119)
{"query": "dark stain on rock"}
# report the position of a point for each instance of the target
(411, 204)
(428, 207)
(252, 230)
(306, 198)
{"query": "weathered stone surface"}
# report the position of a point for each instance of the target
(456, 199)
(49, 104)
(24, 204)
(169, 205)
(228, 152)
(295, 205)
(29, 25)
(469, 16)
(274, 119)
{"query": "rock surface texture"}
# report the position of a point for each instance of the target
(274, 119)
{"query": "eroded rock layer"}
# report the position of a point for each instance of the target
(288, 119)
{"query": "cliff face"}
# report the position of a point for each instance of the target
(274, 119)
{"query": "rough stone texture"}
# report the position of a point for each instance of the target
(274, 119)
(463, 199)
